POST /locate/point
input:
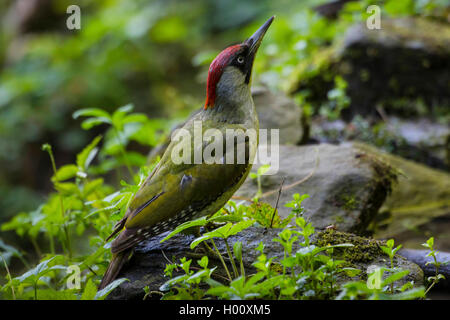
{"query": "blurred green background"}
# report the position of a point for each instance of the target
(152, 54)
(149, 53)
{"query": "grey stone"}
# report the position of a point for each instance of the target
(420, 258)
(277, 111)
(346, 187)
(421, 140)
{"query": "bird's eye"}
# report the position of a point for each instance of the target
(240, 59)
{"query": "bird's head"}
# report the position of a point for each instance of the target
(230, 72)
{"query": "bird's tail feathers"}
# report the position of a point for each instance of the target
(116, 264)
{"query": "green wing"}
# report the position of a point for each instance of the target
(175, 193)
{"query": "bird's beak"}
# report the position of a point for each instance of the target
(255, 40)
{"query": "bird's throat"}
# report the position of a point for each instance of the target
(234, 102)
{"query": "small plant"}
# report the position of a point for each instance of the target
(337, 100)
(391, 251)
(82, 210)
(125, 126)
(187, 285)
(366, 290)
(296, 204)
(223, 232)
(316, 276)
(261, 171)
(433, 280)
(305, 270)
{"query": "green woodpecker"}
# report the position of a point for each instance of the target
(178, 192)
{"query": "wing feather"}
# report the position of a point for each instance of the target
(174, 194)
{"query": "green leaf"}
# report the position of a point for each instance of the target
(92, 112)
(386, 250)
(201, 274)
(90, 291)
(409, 295)
(102, 294)
(238, 227)
(201, 239)
(260, 247)
(225, 218)
(289, 262)
(85, 157)
(254, 279)
(219, 291)
(66, 172)
(135, 117)
(119, 116)
(396, 249)
(237, 249)
(223, 232)
(203, 262)
(93, 122)
(430, 243)
(67, 188)
(408, 285)
(8, 251)
(390, 243)
(168, 284)
(263, 169)
(194, 223)
(32, 275)
(394, 277)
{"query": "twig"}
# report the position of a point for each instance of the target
(241, 198)
(165, 257)
(296, 183)
(278, 198)
(92, 270)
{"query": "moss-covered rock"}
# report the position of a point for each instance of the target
(421, 195)
(363, 250)
(146, 267)
(402, 66)
(366, 254)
